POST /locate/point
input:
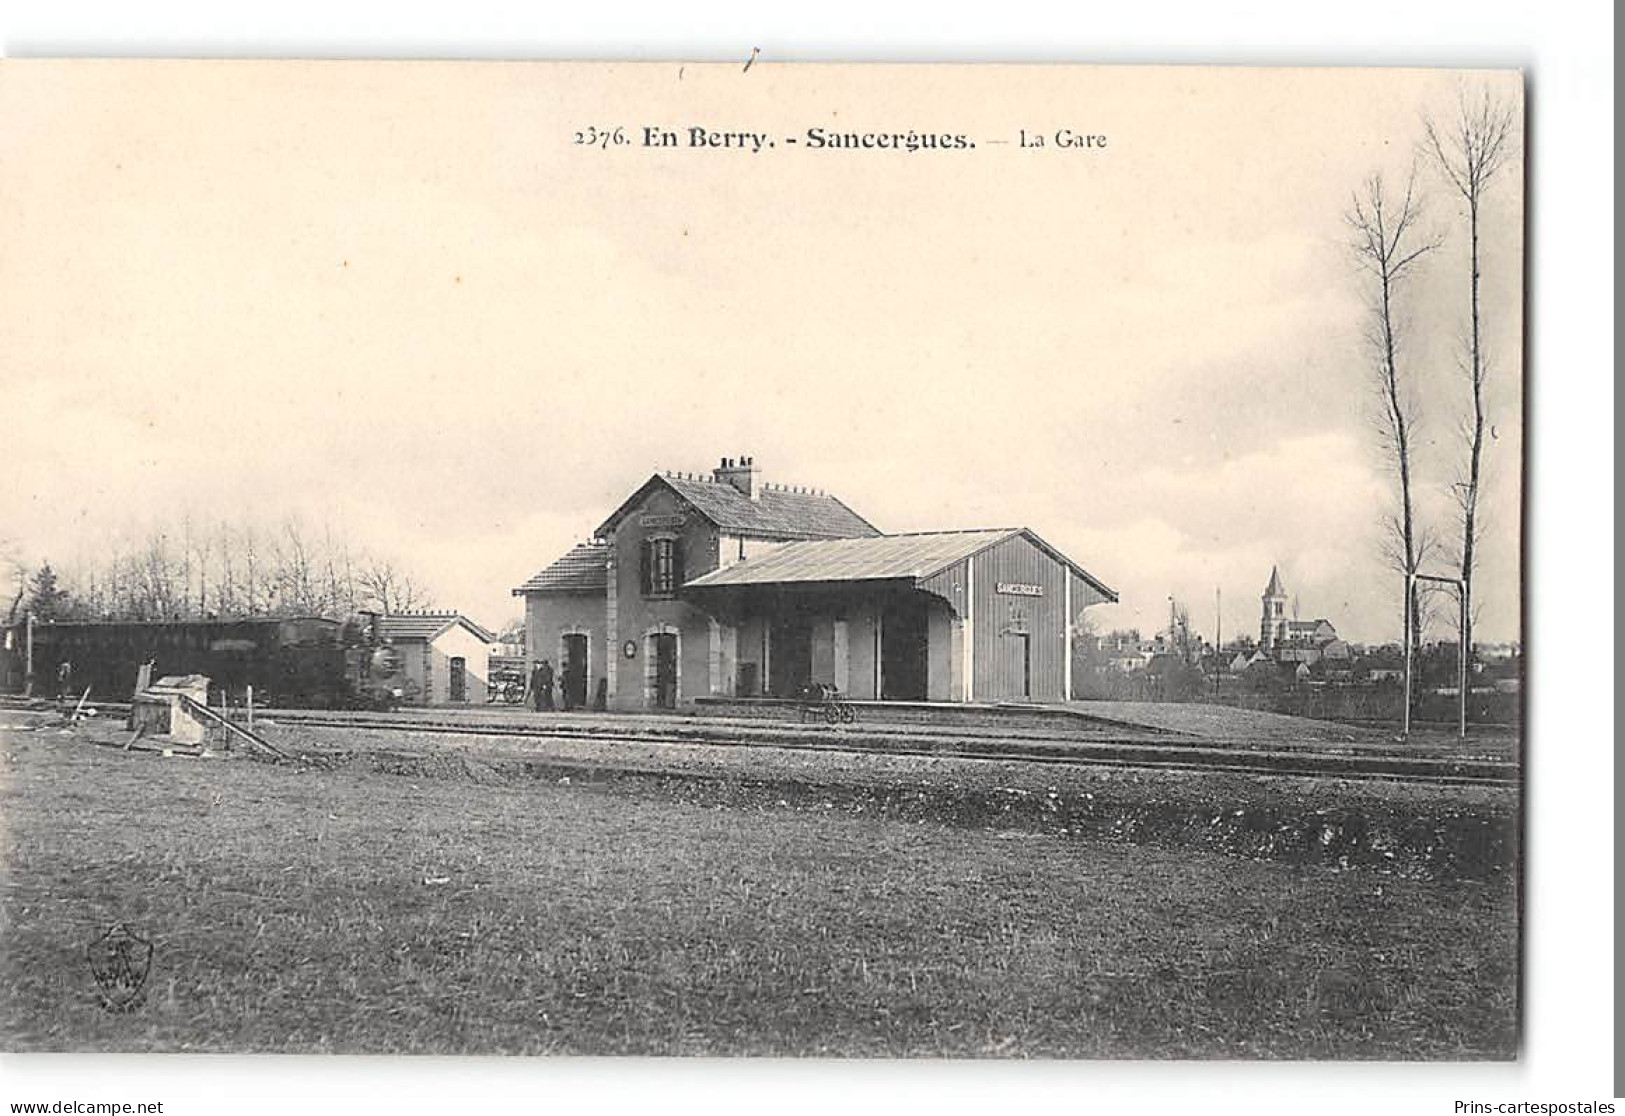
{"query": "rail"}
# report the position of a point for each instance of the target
(1119, 752)
(1136, 754)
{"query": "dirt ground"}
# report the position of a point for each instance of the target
(414, 898)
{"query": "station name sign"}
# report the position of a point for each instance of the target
(662, 521)
(1019, 589)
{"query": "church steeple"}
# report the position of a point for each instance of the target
(1272, 624)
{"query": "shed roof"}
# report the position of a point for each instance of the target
(876, 558)
(426, 625)
(585, 569)
(776, 512)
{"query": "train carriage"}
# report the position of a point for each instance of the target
(312, 662)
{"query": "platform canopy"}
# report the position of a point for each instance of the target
(911, 557)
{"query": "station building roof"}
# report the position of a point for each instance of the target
(775, 512)
(585, 569)
(877, 558)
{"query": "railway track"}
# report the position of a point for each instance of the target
(1133, 753)
(1145, 752)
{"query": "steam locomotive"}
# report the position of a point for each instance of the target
(302, 662)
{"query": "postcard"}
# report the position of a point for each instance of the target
(760, 559)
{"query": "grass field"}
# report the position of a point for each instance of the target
(297, 910)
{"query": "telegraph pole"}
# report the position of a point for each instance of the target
(1218, 641)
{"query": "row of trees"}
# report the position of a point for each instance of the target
(215, 570)
(1390, 239)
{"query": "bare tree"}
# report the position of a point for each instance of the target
(15, 570)
(339, 573)
(186, 566)
(157, 586)
(388, 588)
(236, 570)
(199, 549)
(1182, 640)
(1469, 151)
(250, 553)
(298, 592)
(1386, 239)
(228, 601)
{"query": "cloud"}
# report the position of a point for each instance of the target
(1303, 502)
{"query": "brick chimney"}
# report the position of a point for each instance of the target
(739, 472)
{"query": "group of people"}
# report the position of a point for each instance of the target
(542, 682)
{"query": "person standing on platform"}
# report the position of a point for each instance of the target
(541, 684)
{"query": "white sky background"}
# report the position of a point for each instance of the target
(399, 300)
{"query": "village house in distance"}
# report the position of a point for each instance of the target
(722, 586)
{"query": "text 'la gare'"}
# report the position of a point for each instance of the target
(1065, 137)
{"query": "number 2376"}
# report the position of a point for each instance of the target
(603, 138)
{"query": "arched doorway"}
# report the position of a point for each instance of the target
(573, 664)
(663, 657)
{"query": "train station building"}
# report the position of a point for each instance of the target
(721, 586)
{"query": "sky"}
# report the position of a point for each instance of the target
(399, 299)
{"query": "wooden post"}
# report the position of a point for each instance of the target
(28, 655)
(968, 628)
(251, 707)
(1066, 596)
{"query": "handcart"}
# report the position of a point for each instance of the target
(823, 701)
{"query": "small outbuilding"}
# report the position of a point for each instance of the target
(444, 656)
